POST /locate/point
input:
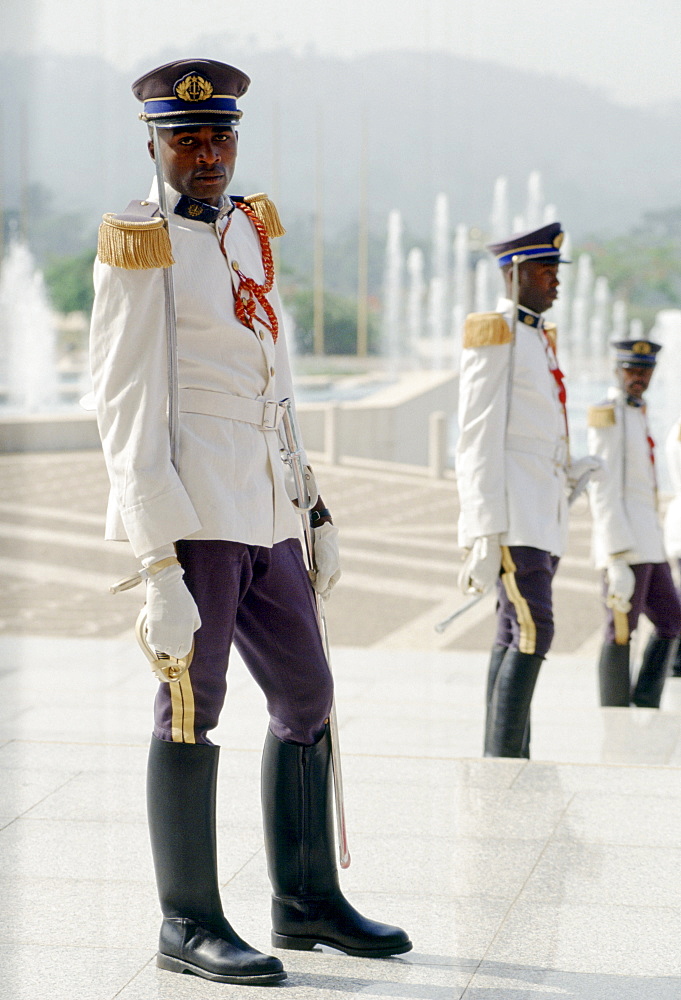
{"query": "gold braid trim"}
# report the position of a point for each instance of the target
(601, 416)
(134, 245)
(621, 620)
(486, 330)
(266, 211)
(551, 331)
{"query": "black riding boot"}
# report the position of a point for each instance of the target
(308, 907)
(510, 705)
(613, 675)
(651, 677)
(195, 936)
(675, 669)
(495, 660)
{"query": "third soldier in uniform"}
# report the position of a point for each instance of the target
(628, 540)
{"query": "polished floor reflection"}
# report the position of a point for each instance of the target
(558, 877)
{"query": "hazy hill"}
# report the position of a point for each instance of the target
(436, 123)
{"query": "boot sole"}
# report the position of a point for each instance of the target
(170, 964)
(294, 943)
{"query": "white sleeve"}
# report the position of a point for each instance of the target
(611, 523)
(129, 376)
(480, 453)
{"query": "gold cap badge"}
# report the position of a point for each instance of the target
(558, 241)
(193, 88)
(641, 347)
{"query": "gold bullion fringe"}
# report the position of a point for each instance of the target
(486, 330)
(134, 245)
(267, 213)
(601, 416)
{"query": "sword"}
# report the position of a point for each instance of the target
(446, 622)
(170, 314)
(579, 487)
(294, 460)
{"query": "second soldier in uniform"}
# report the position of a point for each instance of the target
(514, 472)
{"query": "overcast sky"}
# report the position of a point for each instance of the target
(629, 49)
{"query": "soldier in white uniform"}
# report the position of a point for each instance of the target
(627, 534)
(513, 473)
(672, 519)
(217, 536)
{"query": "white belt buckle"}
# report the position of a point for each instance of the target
(271, 415)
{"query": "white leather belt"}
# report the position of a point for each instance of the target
(530, 446)
(263, 413)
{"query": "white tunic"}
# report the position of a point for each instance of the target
(511, 476)
(672, 521)
(231, 477)
(624, 499)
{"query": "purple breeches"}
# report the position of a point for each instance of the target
(524, 602)
(654, 596)
(260, 599)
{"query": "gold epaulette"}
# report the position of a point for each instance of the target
(266, 210)
(134, 244)
(601, 416)
(486, 330)
(551, 331)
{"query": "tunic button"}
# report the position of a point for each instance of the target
(235, 265)
(272, 371)
(144, 203)
(262, 335)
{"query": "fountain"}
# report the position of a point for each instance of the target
(28, 359)
(499, 216)
(461, 288)
(415, 297)
(391, 328)
(436, 313)
(38, 401)
(534, 214)
(482, 301)
(600, 324)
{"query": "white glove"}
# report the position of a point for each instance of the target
(481, 568)
(581, 471)
(621, 584)
(172, 615)
(327, 559)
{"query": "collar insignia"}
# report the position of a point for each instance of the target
(528, 318)
(189, 208)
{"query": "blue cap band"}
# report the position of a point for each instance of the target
(220, 105)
